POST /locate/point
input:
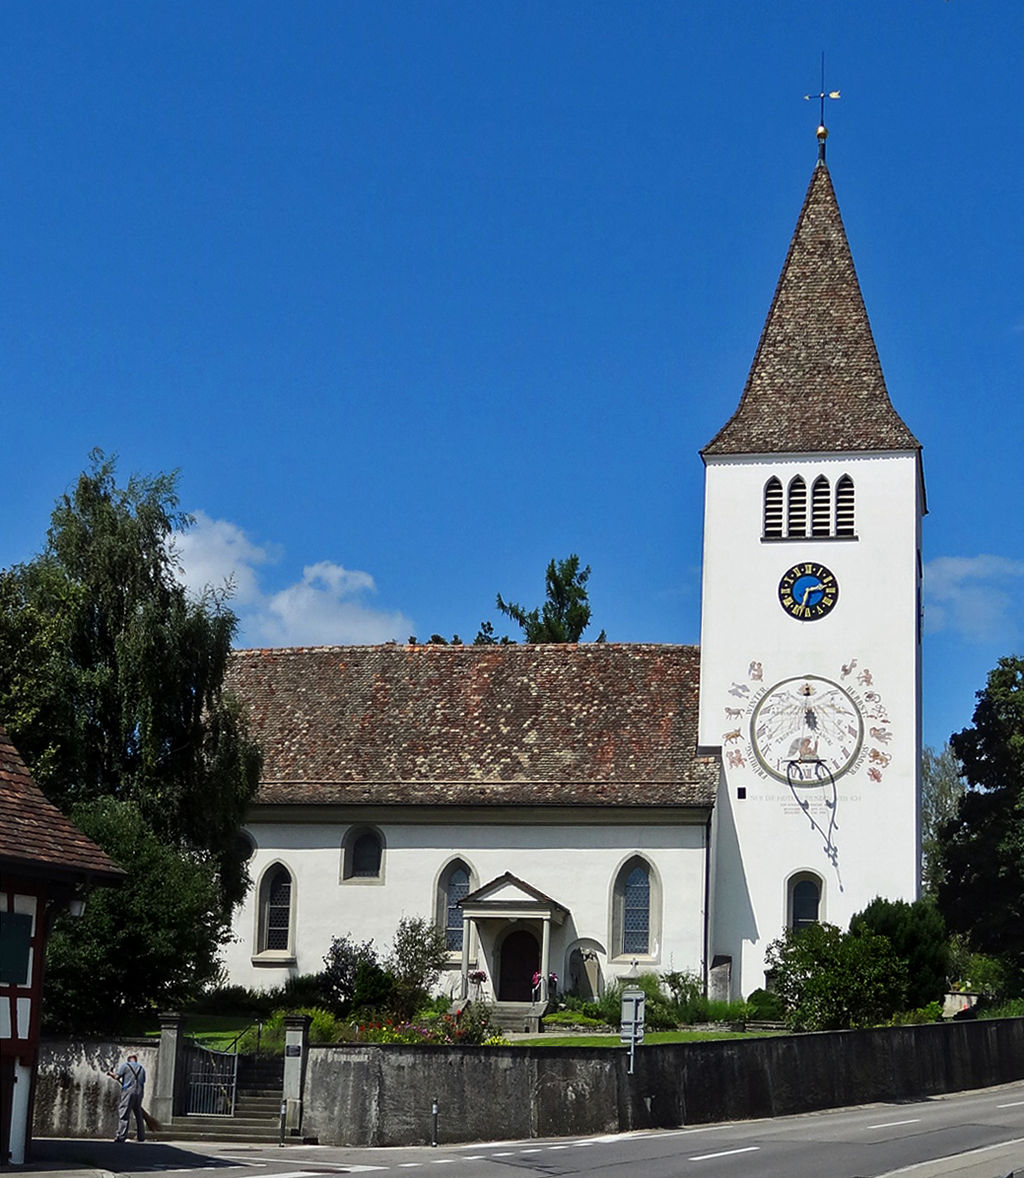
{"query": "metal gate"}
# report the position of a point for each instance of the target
(212, 1081)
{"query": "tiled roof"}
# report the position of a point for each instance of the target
(816, 383)
(35, 835)
(595, 724)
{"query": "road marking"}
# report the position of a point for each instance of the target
(726, 1153)
(1015, 1104)
(536, 1149)
(558, 1147)
(894, 1124)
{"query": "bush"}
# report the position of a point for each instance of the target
(325, 1028)
(471, 1026)
(659, 1014)
(764, 1006)
(829, 980)
(341, 965)
(419, 954)
(572, 1018)
(932, 1013)
(917, 933)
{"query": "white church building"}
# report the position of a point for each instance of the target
(570, 810)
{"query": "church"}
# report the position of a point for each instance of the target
(570, 813)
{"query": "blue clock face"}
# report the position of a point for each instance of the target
(808, 591)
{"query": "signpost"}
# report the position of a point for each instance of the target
(631, 1020)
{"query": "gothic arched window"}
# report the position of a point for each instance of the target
(276, 900)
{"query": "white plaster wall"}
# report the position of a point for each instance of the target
(573, 865)
(748, 643)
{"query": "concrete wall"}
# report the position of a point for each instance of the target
(371, 1095)
(74, 1095)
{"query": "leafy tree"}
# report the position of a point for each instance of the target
(341, 969)
(942, 787)
(111, 674)
(419, 954)
(917, 934)
(981, 891)
(829, 980)
(149, 944)
(565, 613)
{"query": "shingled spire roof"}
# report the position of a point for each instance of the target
(816, 383)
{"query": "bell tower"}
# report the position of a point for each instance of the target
(810, 617)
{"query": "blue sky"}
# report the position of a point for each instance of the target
(417, 296)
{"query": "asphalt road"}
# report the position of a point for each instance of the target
(967, 1135)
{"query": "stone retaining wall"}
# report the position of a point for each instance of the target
(375, 1095)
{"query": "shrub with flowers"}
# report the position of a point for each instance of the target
(471, 1026)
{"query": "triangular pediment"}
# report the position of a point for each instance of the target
(508, 895)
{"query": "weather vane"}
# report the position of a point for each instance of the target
(822, 132)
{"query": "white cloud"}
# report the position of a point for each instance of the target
(327, 606)
(975, 596)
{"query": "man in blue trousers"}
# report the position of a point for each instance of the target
(132, 1077)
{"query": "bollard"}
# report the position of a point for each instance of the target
(433, 1140)
(284, 1114)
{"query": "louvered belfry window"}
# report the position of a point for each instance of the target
(844, 507)
(797, 507)
(773, 508)
(821, 507)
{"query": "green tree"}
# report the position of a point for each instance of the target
(565, 613)
(942, 787)
(917, 934)
(149, 944)
(111, 673)
(829, 980)
(419, 954)
(981, 891)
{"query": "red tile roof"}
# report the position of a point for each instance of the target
(816, 383)
(35, 836)
(595, 724)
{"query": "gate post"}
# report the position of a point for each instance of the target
(163, 1102)
(296, 1042)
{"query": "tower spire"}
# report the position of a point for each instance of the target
(822, 131)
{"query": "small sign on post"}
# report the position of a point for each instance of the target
(631, 1019)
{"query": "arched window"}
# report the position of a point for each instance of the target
(636, 910)
(844, 507)
(276, 898)
(821, 507)
(456, 889)
(773, 508)
(454, 883)
(804, 901)
(362, 854)
(797, 507)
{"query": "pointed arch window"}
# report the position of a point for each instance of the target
(821, 507)
(276, 913)
(454, 884)
(636, 910)
(773, 508)
(797, 507)
(845, 507)
(456, 889)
